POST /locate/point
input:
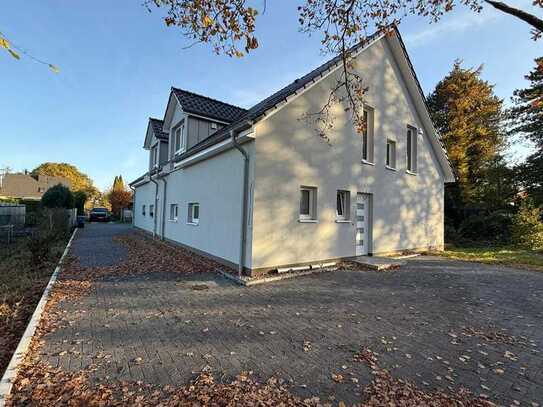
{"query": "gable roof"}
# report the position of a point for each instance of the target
(156, 125)
(204, 106)
(259, 109)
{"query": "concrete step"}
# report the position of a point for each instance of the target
(379, 263)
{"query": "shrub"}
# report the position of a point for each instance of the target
(491, 228)
(80, 197)
(40, 245)
(527, 229)
(58, 196)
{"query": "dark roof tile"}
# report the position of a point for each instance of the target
(205, 106)
(157, 124)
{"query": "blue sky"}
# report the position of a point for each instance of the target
(118, 63)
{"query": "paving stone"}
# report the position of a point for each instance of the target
(406, 315)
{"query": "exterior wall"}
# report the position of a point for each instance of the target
(144, 195)
(407, 209)
(199, 129)
(216, 184)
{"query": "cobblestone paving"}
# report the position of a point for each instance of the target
(158, 328)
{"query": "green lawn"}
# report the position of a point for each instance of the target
(506, 255)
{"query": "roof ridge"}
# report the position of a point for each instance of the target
(209, 98)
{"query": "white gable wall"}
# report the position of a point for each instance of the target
(407, 209)
(144, 195)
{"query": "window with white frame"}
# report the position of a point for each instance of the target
(343, 204)
(143, 210)
(154, 156)
(391, 154)
(179, 138)
(151, 210)
(411, 149)
(367, 135)
(308, 203)
(173, 212)
(194, 213)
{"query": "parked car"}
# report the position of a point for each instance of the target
(99, 215)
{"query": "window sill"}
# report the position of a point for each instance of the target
(307, 220)
(172, 220)
(367, 162)
(343, 221)
(193, 223)
(411, 172)
(391, 168)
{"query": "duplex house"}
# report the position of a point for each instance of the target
(257, 189)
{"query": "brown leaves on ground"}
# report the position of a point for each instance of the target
(42, 385)
(384, 390)
(45, 386)
(21, 286)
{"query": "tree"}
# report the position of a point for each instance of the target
(78, 180)
(229, 27)
(58, 196)
(527, 229)
(119, 197)
(80, 198)
(469, 118)
(527, 114)
(530, 177)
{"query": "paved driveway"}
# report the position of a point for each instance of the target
(442, 324)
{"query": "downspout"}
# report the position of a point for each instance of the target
(164, 208)
(133, 203)
(244, 198)
(156, 203)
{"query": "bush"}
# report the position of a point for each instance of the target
(527, 229)
(491, 228)
(58, 196)
(40, 245)
(80, 197)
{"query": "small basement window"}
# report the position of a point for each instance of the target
(308, 203)
(194, 213)
(151, 210)
(343, 204)
(391, 154)
(173, 212)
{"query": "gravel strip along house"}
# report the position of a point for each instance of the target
(259, 190)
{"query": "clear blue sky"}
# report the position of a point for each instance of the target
(118, 63)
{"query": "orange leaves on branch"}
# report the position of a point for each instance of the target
(228, 25)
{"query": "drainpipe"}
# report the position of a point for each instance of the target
(163, 179)
(133, 203)
(156, 203)
(244, 197)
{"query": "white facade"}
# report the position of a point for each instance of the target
(387, 208)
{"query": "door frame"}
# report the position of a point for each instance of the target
(368, 223)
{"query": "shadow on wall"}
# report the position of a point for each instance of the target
(407, 209)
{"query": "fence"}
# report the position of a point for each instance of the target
(13, 215)
(13, 221)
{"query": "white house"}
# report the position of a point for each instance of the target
(259, 188)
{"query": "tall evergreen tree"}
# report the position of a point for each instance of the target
(469, 116)
(527, 121)
(527, 115)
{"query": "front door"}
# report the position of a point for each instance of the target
(362, 224)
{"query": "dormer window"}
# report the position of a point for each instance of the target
(154, 156)
(179, 139)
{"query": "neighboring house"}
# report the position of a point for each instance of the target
(258, 187)
(25, 186)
